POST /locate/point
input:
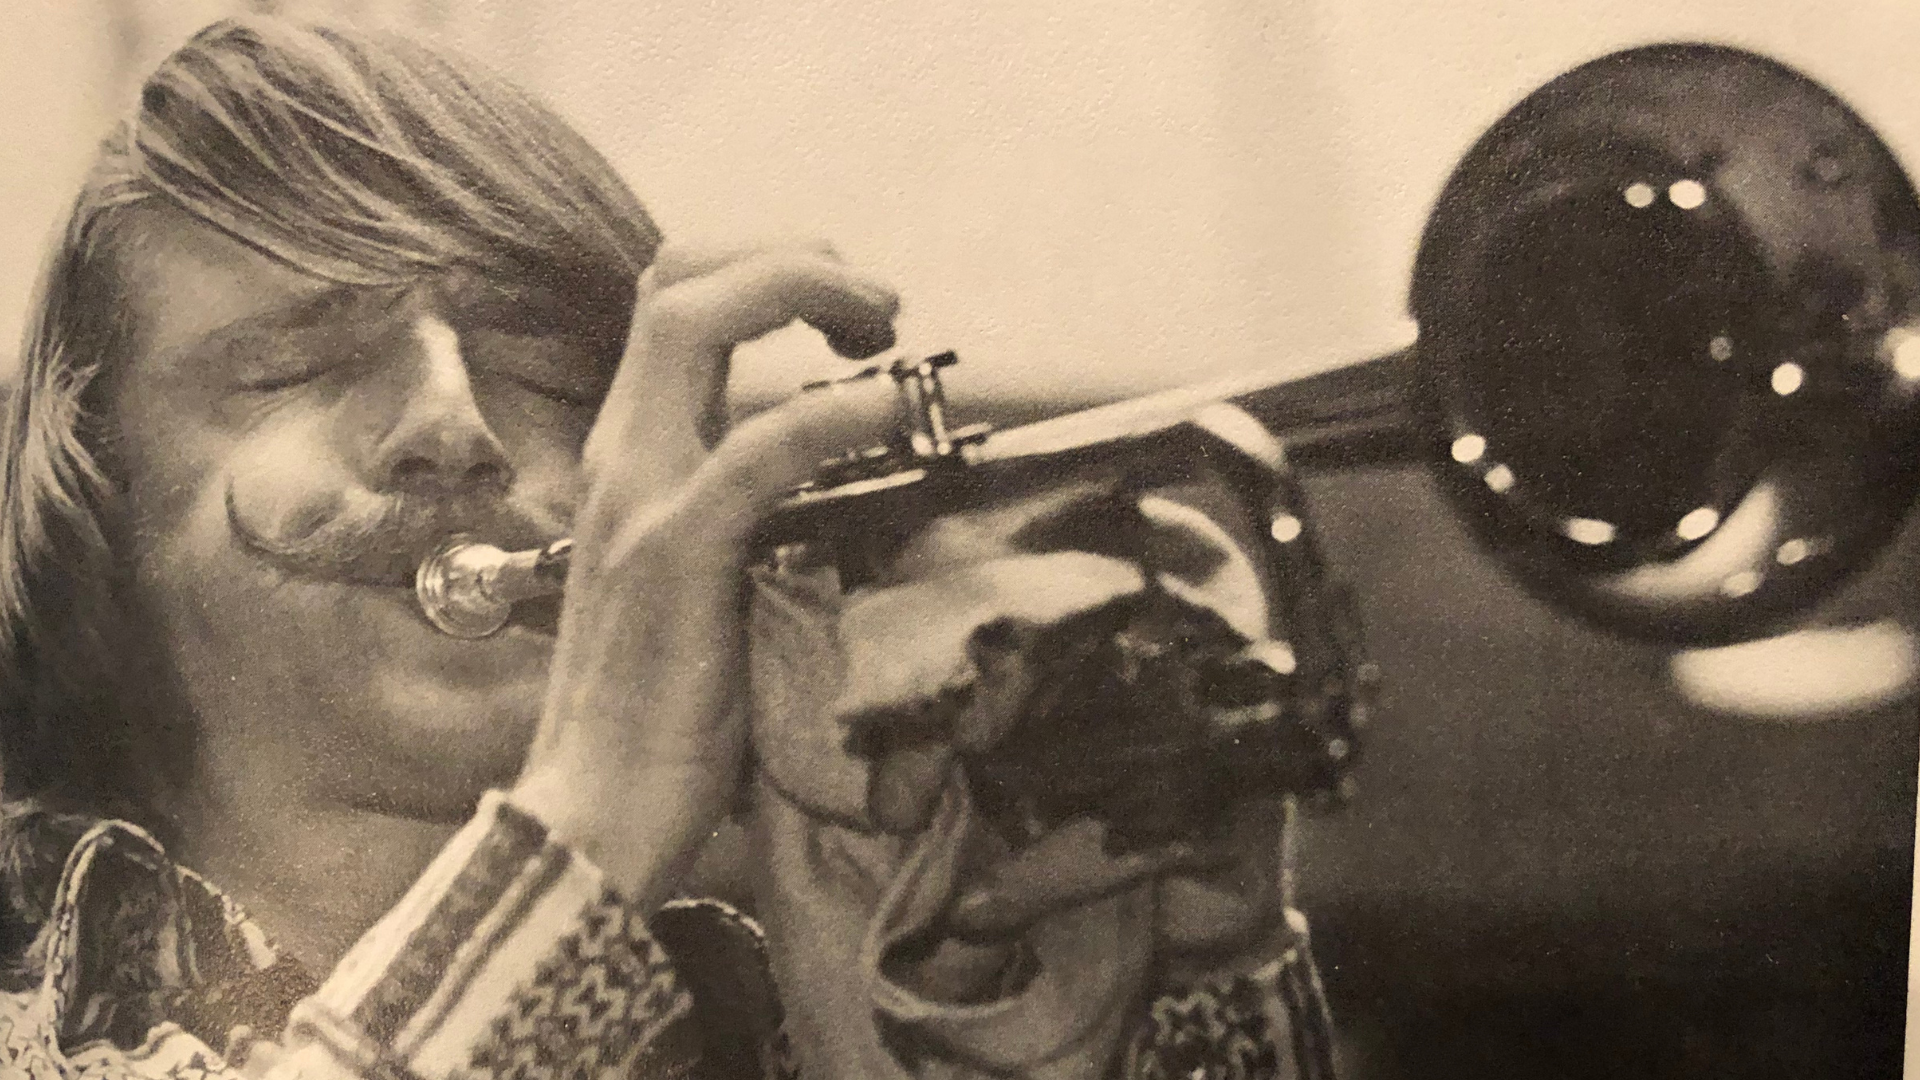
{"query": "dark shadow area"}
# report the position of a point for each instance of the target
(1807, 981)
(1558, 867)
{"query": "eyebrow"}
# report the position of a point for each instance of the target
(514, 303)
(517, 303)
(299, 313)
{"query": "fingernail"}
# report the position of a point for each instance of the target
(860, 344)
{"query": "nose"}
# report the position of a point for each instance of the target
(439, 443)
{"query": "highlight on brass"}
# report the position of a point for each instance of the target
(467, 588)
(1668, 366)
(1669, 357)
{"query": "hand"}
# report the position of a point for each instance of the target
(1218, 895)
(640, 746)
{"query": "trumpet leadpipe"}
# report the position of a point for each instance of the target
(1347, 417)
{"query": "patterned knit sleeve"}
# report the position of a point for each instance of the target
(510, 957)
(1270, 1023)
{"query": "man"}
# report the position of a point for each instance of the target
(326, 300)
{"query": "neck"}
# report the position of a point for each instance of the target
(314, 874)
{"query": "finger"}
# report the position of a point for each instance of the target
(667, 402)
(751, 297)
(683, 264)
(766, 457)
(1066, 868)
(683, 337)
(1235, 901)
(677, 262)
(906, 786)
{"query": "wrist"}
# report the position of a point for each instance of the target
(643, 838)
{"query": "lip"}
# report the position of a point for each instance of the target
(397, 606)
(401, 648)
(537, 618)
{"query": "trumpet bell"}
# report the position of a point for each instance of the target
(1669, 355)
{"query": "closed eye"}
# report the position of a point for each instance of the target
(572, 397)
(284, 381)
(335, 331)
(560, 368)
(292, 361)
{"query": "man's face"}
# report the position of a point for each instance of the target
(288, 449)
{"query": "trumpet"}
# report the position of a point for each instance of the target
(1667, 370)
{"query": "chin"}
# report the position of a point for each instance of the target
(434, 746)
(347, 692)
(425, 724)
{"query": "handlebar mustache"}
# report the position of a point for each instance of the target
(377, 538)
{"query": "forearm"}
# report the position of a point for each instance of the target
(510, 948)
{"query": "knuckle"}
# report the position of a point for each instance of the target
(597, 462)
(796, 265)
(733, 472)
(675, 262)
(673, 317)
(816, 265)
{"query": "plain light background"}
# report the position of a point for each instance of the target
(1085, 198)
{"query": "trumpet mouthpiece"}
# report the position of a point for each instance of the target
(467, 588)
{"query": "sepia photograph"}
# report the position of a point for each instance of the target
(1014, 540)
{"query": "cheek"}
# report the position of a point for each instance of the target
(211, 610)
(182, 494)
(179, 453)
(170, 522)
(283, 483)
(543, 439)
(163, 475)
(197, 589)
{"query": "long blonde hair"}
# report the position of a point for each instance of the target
(357, 157)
